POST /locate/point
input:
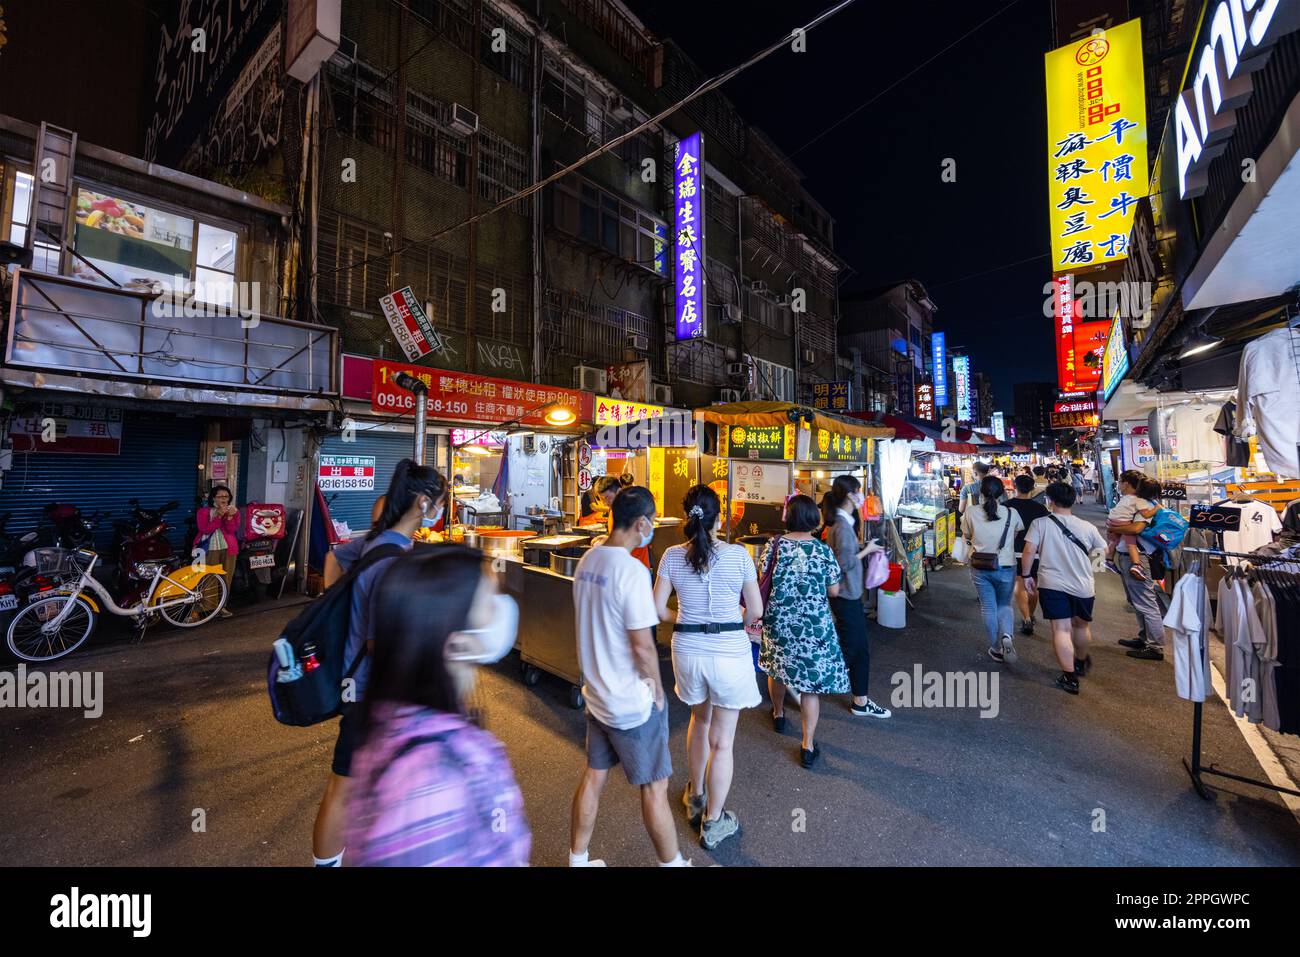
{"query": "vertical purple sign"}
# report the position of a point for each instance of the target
(688, 226)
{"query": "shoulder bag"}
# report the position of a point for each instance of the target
(755, 628)
(1070, 535)
(989, 561)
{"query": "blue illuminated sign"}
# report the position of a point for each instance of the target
(688, 228)
(961, 370)
(940, 359)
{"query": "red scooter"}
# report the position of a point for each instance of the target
(141, 547)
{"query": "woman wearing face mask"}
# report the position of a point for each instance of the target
(840, 515)
(711, 656)
(413, 500)
(430, 788)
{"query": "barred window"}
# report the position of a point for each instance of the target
(430, 145)
(582, 209)
(513, 62)
(773, 382)
(361, 98)
(502, 169)
(352, 261)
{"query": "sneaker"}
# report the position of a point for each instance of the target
(996, 655)
(227, 613)
(1027, 626)
(713, 833)
(1112, 567)
(695, 805)
(809, 758)
(1068, 683)
(1147, 653)
(1138, 573)
(870, 710)
(1008, 650)
(1082, 666)
(1132, 642)
(587, 863)
(778, 723)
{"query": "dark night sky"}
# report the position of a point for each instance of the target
(878, 173)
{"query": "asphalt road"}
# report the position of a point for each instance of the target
(1052, 780)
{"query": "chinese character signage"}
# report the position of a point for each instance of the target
(1000, 426)
(461, 397)
(688, 227)
(1115, 361)
(828, 446)
(939, 358)
(1075, 410)
(961, 375)
(903, 372)
(67, 428)
(411, 327)
(346, 473)
(614, 412)
(1079, 345)
(772, 442)
(925, 401)
(832, 396)
(1096, 145)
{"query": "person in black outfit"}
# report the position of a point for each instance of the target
(1029, 508)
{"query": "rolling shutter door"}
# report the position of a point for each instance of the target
(158, 463)
(388, 448)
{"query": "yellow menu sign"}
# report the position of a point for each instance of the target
(1096, 146)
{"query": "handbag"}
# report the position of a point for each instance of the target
(755, 628)
(959, 550)
(988, 561)
(877, 570)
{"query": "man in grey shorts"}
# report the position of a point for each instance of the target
(627, 713)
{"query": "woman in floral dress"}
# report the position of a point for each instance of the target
(800, 648)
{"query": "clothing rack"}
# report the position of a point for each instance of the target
(1194, 766)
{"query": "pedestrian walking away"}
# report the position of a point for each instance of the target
(1029, 509)
(432, 789)
(627, 713)
(414, 498)
(711, 655)
(800, 649)
(1064, 548)
(841, 509)
(990, 533)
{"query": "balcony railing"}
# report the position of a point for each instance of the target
(62, 325)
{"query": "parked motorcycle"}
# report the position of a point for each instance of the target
(264, 526)
(65, 527)
(141, 547)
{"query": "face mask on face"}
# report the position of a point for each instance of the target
(428, 521)
(648, 538)
(497, 638)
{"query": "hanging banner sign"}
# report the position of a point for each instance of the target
(827, 446)
(1096, 145)
(411, 327)
(925, 401)
(688, 228)
(768, 442)
(460, 396)
(63, 428)
(939, 358)
(346, 473)
(1114, 365)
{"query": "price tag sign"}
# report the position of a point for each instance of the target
(1216, 518)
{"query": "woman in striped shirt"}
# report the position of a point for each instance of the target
(431, 788)
(711, 656)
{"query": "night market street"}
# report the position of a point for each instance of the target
(186, 726)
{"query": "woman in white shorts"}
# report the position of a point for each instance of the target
(711, 656)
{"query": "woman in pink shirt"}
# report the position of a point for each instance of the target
(218, 535)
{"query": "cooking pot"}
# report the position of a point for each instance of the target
(567, 564)
(754, 544)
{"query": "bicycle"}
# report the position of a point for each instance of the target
(57, 624)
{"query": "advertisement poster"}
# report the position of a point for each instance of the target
(831, 396)
(629, 380)
(411, 327)
(63, 428)
(460, 396)
(347, 473)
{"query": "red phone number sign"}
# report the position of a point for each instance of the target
(462, 396)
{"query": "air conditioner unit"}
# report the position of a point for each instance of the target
(463, 119)
(809, 356)
(661, 393)
(738, 370)
(589, 379)
(728, 395)
(758, 286)
(620, 106)
(637, 342)
(729, 312)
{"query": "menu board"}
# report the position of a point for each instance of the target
(759, 483)
(764, 442)
(825, 445)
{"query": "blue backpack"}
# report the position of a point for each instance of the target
(1166, 530)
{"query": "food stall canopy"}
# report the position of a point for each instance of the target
(779, 413)
(984, 442)
(916, 430)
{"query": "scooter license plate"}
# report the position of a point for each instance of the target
(8, 602)
(261, 561)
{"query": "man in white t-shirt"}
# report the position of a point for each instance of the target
(627, 713)
(1068, 550)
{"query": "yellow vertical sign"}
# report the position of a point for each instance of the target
(1096, 146)
(657, 478)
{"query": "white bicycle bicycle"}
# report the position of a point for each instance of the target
(59, 622)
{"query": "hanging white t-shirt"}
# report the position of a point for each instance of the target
(1188, 615)
(1259, 526)
(1269, 399)
(1193, 426)
(612, 596)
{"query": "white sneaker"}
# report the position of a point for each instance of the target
(1008, 650)
(587, 863)
(680, 862)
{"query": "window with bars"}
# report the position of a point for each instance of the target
(502, 170)
(586, 108)
(576, 328)
(361, 98)
(430, 145)
(353, 265)
(699, 361)
(511, 63)
(582, 209)
(773, 382)
(759, 308)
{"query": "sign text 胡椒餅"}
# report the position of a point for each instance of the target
(769, 442)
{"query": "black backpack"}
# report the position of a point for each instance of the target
(318, 695)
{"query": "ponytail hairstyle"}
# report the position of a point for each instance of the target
(838, 498)
(990, 491)
(702, 506)
(410, 481)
